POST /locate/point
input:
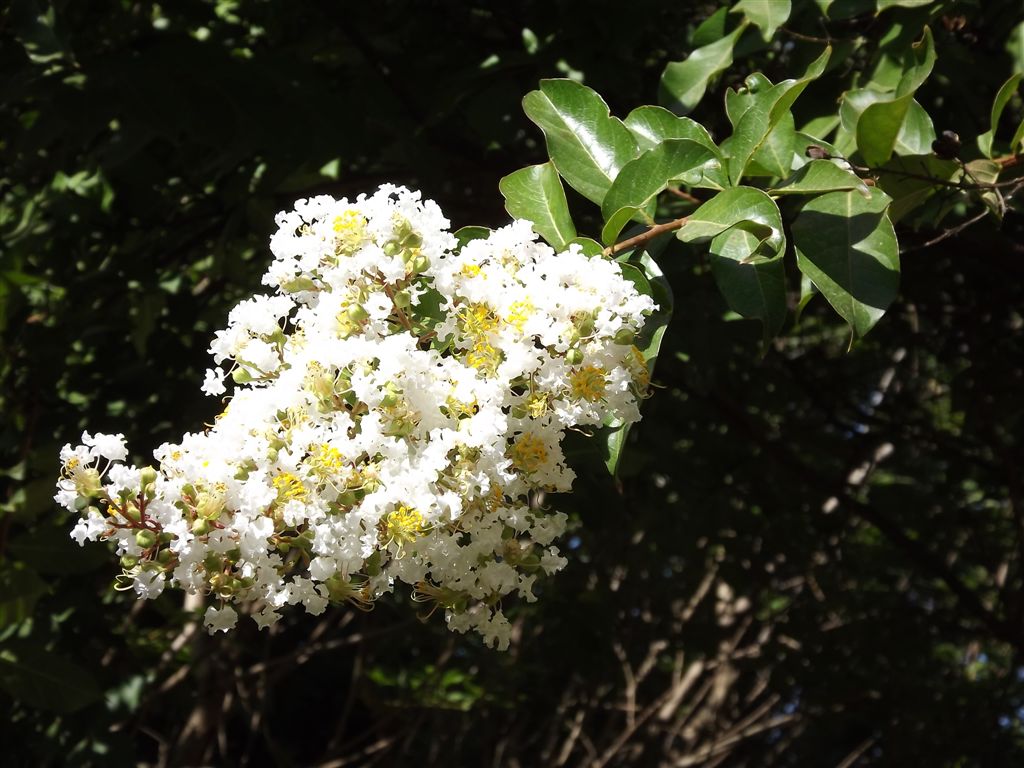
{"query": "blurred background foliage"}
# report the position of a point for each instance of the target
(812, 555)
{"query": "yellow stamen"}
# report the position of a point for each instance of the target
(289, 487)
(529, 453)
(349, 231)
(404, 525)
(519, 313)
(588, 383)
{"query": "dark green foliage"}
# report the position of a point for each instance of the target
(812, 552)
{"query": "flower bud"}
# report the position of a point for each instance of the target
(574, 356)
(402, 299)
(201, 527)
(585, 325)
(129, 561)
(148, 476)
(241, 376)
(625, 337)
(145, 538)
(357, 314)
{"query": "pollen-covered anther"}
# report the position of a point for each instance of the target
(588, 383)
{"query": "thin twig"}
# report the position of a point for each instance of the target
(643, 237)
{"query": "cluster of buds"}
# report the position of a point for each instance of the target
(398, 402)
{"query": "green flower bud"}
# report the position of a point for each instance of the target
(357, 314)
(145, 538)
(574, 356)
(241, 376)
(148, 475)
(201, 527)
(625, 337)
(164, 556)
(129, 561)
(402, 299)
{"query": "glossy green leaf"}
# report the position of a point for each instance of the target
(820, 176)
(1017, 142)
(738, 100)
(42, 679)
(730, 207)
(468, 234)
(535, 193)
(767, 15)
(821, 127)
(642, 179)
(586, 144)
(753, 286)
(846, 244)
(880, 123)
(838, 10)
(769, 107)
(683, 83)
(619, 219)
(652, 125)
(998, 105)
(776, 155)
(589, 246)
(884, 5)
(711, 29)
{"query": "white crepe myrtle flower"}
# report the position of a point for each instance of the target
(398, 402)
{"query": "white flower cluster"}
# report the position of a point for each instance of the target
(398, 401)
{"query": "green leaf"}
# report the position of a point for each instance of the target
(821, 127)
(753, 286)
(613, 226)
(908, 181)
(1017, 142)
(640, 180)
(711, 29)
(820, 176)
(767, 15)
(1002, 99)
(586, 144)
(44, 680)
(468, 234)
(899, 126)
(645, 273)
(846, 244)
(683, 83)
(747, 249)
(776, 155)
(1015, 47)
(730, 207)
(535, 193)
(881, 122)
(837, 10)
(884, 5)
(767, 109)
(590, 248)
(652, 125)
